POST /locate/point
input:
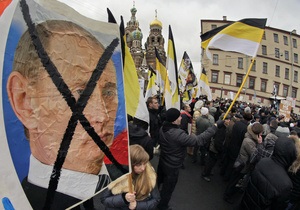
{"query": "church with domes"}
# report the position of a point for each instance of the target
(144, 56)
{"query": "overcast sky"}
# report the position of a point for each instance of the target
(184, 16)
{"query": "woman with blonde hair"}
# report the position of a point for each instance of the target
(145, 195)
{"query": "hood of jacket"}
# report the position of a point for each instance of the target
(284, 152)
(136, 132)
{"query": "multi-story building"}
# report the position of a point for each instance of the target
(276, 64)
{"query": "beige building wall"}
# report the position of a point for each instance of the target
(277, 63)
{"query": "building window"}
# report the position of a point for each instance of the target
(152, 39)
(294, 92)
(240, 63)
(285, 90)
(286, 55)
(277, 71)
(265, 68)
(215, 59)
(277, 53)
(264, 35)
(251, 83)
(295, 58)
(295, 76)
(295, 43)
(254, 66)
(213, 26)
(286, 73)
(214, 76)
(227, 78)
(264, 49)
(276, 38)
(263, 85)
(228, 61)
(239, 80)
(285, 40)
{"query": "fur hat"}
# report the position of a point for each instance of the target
(172, 114)
(198, 105)
(247, 109)
(204, 111)
(282, 131)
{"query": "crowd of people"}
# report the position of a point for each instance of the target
(258, 151)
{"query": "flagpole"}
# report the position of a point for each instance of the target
(240, 89)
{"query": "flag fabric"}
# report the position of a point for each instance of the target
(204, 85)
(171, 66)
(162, 72)
(187, 78)
(3, 5)
(151, 87)
(243, 36)
(134, 96)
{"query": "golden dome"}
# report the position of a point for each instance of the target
(156, 23)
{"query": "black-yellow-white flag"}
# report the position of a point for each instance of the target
(243, 36)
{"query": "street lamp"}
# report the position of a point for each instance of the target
(292, 62)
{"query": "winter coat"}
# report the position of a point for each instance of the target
(202, 123)
(249, 146)
(138, 135)
(216, 145)
(113, 197)
(238, 133)
(185, 121)
(173, 142)
(295, 193)
(270, 140)
(154, 124)
(269, 184)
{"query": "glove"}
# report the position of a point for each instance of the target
(220, 124)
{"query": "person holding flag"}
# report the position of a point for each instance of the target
(141, 192)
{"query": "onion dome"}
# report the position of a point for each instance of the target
(137, 34)
(156, 23)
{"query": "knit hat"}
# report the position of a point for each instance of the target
(172, 114)
(204, 111)
(198, 105)
(282, 131)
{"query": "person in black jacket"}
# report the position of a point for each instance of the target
(269, 185)
(215, 149)
(155, 122)
(233, 148)
(173, 142)
(138, 135)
